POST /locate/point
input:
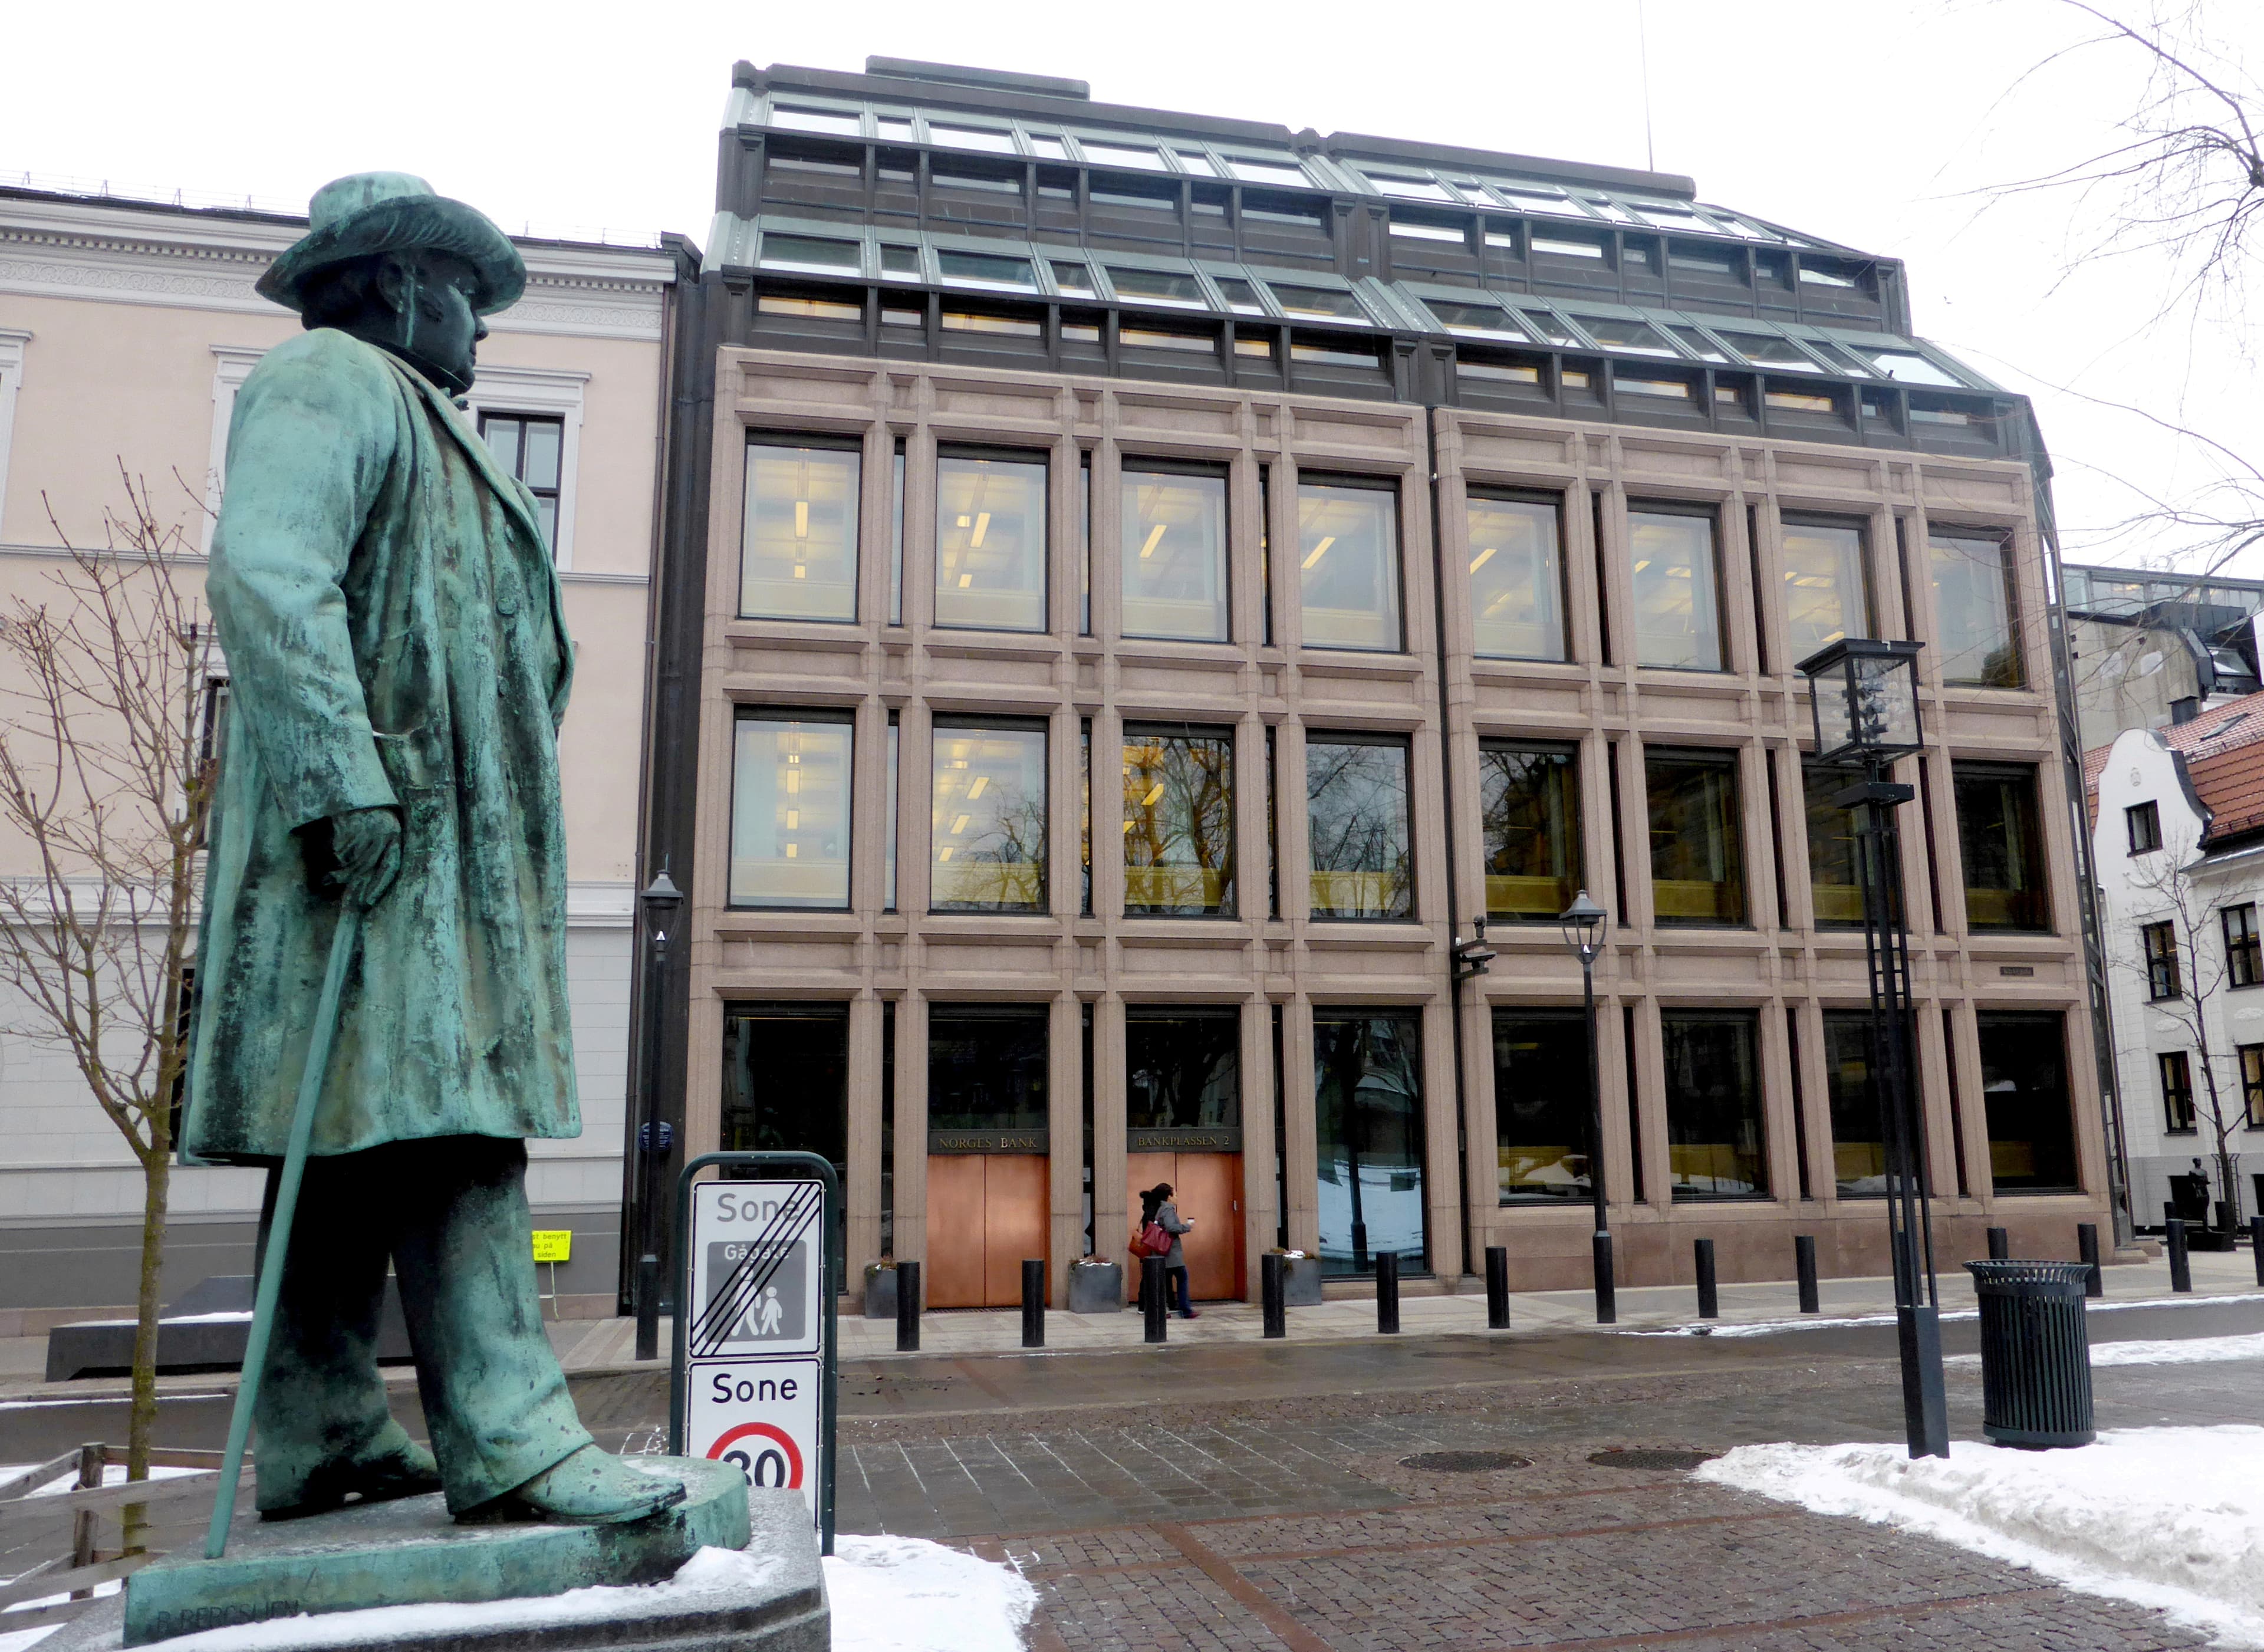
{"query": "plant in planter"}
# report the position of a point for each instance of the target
(1096, 1286)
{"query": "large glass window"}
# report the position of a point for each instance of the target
(1540, 1103)
(2001, 841)
(2244, 953)
(988, 817)
(532, 449)
(1827, 587)
(790, 810)
(1835, 886)
(785, 1087)
(1697, 837)
(798, 549)
(2159, 941)
(1975, 608)
(1517, 578)
(1182, 1068)
(1356, 820)
(986, 1067)
(1348, 565)
(2177, 1093)
(1529, 799)
(1859, 1158)
(991, 543)
(2251, 1084)
(1714, 1136)
(1367, 1126)
(1678, 577)
(1179, 821)
(2031, 1116)
(1174, 555)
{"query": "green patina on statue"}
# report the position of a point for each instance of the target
(398, 664)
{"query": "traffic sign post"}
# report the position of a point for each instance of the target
(755, 1373)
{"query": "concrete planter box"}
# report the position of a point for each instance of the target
(1098, 1289)
(1301, 1282)
(880, 1294)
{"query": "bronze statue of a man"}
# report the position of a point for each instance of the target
(398, 665)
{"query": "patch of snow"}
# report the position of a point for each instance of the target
(2168, 1517)
(1824, 1322)
(23, 1640)
(712, 1571)
(904, 1594)
(2193, 1351)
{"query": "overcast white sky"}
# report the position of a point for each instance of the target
(1869, 125)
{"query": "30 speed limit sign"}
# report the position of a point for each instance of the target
(761, 1414)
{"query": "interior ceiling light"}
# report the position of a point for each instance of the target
(1155, 537)
(981, 527)
(1483, 558)
(1318, 551)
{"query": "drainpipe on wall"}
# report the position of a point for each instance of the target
(1454, 865)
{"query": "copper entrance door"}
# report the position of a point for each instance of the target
(986, 1214)
(1207, 1187)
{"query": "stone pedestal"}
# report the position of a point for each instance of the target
(402, 1574)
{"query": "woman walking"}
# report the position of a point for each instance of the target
(1157, 1207)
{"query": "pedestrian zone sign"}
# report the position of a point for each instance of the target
(754, 1348)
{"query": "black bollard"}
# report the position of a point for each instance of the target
(1154, 1298)
(908, 1307)
(2087, 1247)
(1804, 1264)
(1273, 1277)
(1497, 1287)
(1709, 1295)
(2256, 1244)
(1387, 1292)
(648, 1316)
(1033, 1304)
(2000, 1244)
(1599, 1252)
(2180, 1265)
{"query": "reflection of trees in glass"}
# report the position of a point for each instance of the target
(1835, 888)
(2002, 847)
(1530, 812)
(1714, 1140)
(989, 820)
(1356, 809)
(1697, 849)
(1182, 1068)
(1368, 1130)
(1178, 823)
(1540, 1103)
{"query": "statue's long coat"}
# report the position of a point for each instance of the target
(395, 638)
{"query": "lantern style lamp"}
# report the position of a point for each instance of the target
(1866, 700)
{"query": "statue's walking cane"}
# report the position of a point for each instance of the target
(278, 1227)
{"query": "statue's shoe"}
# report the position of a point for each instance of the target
(589, 1488)
(404, 1470)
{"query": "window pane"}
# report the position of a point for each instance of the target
(971, 138)
(1697, 846)
(1178, 823)
(1826, 593)
(1911, 368)
(1677, 620)
(900, 263)
(1241, 297)
(790, 813)
(986, 1067)
(810, 252)
(1267, 171)
(546, 512)
(845, 126)
(1174, 555)
(1530, 809)
(1858, 1156)
(1973, 606)
(991, 544)
(1633, 337)
(1834, 881)
(1157, 286)
(1368, 1093)
(1476, 321)
(988, 819)
(798, 560)
(1356, 813)
(1348, 565)
(1766, 350)
(502, 436)
(1074, 279)
(1517, 581)
(1714, 1138)
(1540, 1103)
(1997, 834)
(545, 440)
(1325, 302)
(2031, 1118)
(1182, 1068)
(785, 1087)
(982, 269)
(1120, 154)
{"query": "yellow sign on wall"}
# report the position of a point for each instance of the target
(554, 1244)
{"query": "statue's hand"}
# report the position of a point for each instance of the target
(367, 844)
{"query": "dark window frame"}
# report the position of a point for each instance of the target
(2158, 943)
(2015, 653)
(2244, 947)
(1553, 500)
(1404, 744)
(767, 436)
(2251, 1084)
(2174, 1069)
(1711, 515)
(1575, 855)
(1866, 558)
(983, 452)
(2143, 823)
(938, 725)
(2039, 891)
(1370, 481)
(554, 494)
(838, 716)
(1727, 759)
(1749, 1020)
(1132, 729)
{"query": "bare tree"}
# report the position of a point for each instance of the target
(106, 779)
(2196, 973)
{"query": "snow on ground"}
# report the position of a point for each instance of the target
(2170, 1518)
(1824, 1322)
(904, 1594)
(2194, 1351)
(22, 1639)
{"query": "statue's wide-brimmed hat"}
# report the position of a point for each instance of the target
(395, 212)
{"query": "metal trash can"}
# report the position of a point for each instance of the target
(2035, 1353)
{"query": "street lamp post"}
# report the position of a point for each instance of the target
(1583, 923)
(659, 903)
(1866, 711)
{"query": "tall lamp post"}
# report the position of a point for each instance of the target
(1866, 710)
(658, 903)
(1583, 923)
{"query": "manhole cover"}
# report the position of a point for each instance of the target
(1465, 1462)
(1642, 1457)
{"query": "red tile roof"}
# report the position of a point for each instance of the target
(2224, 750)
